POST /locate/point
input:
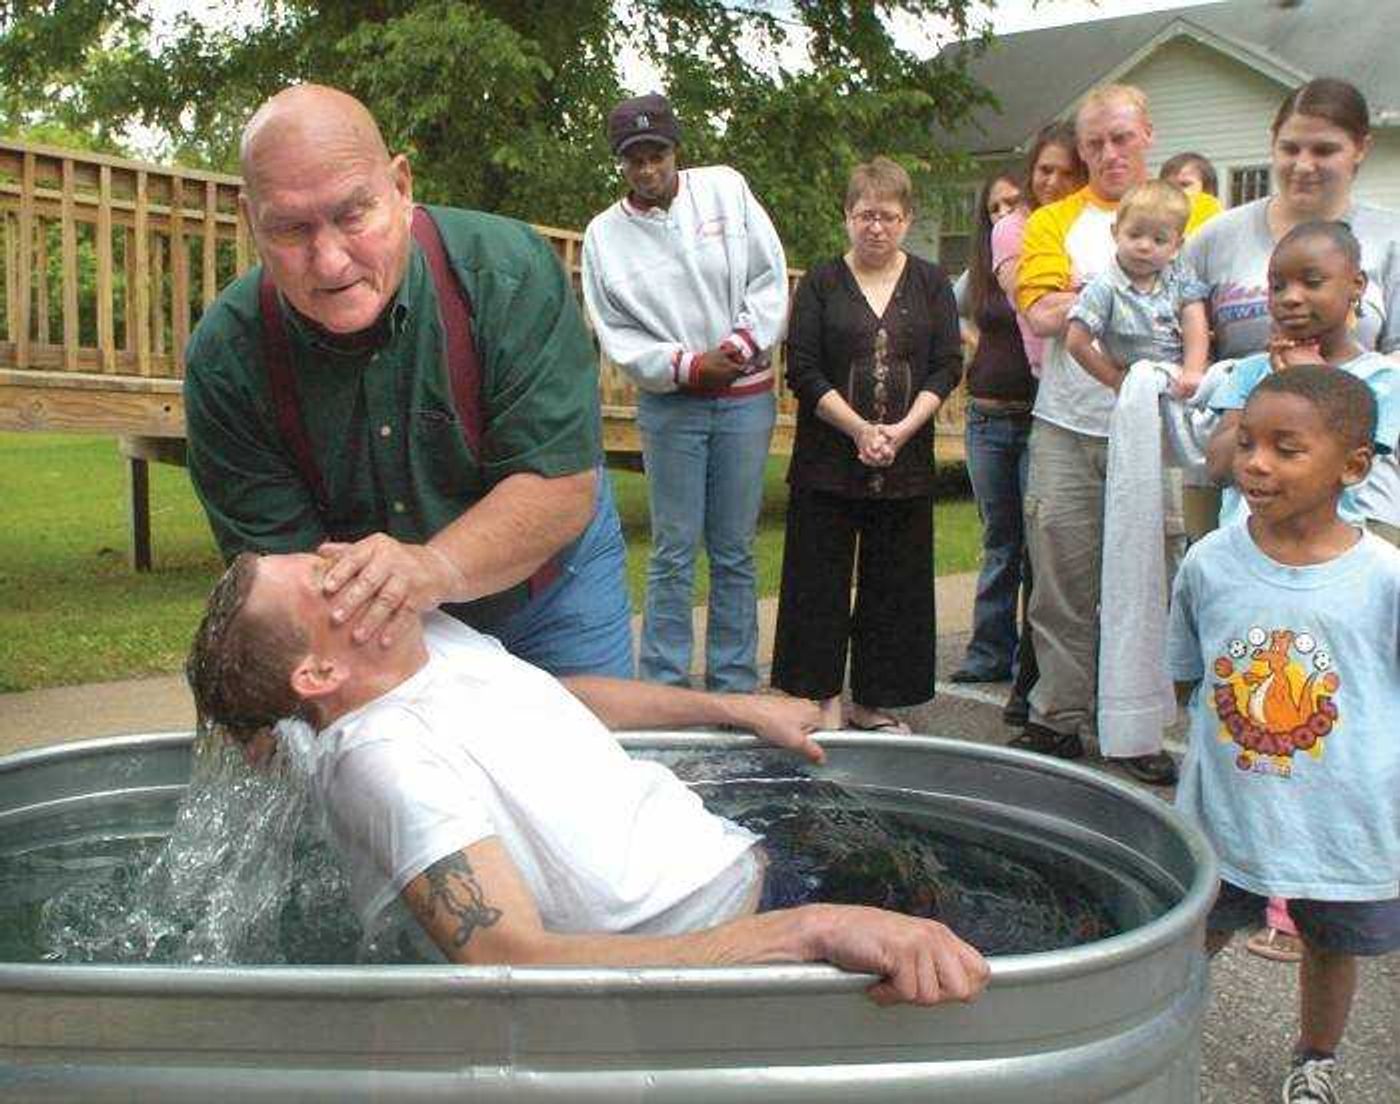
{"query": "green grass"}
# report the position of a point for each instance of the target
(957, 534)
(72, 611)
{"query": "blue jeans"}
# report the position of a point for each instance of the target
(704, 463)
(997, 464)
(581, 624)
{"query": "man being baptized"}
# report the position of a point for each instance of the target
(494, 801)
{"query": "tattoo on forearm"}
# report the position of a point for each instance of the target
(454, 890)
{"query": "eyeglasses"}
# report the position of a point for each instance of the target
(871, 218)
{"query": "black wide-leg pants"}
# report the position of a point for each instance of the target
(890, 629)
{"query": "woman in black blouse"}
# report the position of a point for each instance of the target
(873, 351)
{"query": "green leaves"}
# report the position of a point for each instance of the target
(471, 95)
(501, 103)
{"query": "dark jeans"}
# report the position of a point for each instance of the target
(1343, 927)
(891, 630)
(997, 464)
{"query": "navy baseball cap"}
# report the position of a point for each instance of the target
(646, 118)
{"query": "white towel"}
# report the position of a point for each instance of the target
(1189, 425)
(1135, 699)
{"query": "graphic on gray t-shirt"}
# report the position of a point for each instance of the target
(1231, 254)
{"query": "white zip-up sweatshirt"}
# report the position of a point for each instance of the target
(664, 286)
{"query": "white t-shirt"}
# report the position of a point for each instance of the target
(477, 744)
(1068, 396)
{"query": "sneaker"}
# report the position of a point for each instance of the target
(1157, 769)
(1310, 1081)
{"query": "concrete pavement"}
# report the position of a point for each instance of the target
(1251, 1020)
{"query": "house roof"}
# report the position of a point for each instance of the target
(1038, 75)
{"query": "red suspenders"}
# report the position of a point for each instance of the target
(463, 368)
(455, 313)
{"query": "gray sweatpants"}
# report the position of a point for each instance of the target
(1064, 535)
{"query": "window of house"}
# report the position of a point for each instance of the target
(954, 251)
(955, 227)
(1248, 183)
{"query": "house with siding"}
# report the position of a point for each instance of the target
(1214, 75)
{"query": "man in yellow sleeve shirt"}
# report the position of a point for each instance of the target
(1066, 245)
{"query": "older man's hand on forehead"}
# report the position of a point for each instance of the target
(380, 583)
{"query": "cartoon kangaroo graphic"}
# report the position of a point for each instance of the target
(1272, 704)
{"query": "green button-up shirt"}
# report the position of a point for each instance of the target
(381, 421)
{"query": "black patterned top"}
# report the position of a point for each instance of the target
(878, 365)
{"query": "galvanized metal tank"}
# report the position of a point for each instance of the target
(1117, 1020)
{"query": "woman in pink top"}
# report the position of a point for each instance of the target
(1053, 171)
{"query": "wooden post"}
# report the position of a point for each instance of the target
(209, 288)
(141, 293)
(157, 258)
(11, 275)
(70, 271)
(129, 299)
(179, 274)
(41, 282)
(106, 322)
(140, 453)
(138, 483)
(23, 270)
(240, 245)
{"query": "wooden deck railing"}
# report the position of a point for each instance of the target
(107, 264)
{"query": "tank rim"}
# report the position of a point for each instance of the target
(359, 982)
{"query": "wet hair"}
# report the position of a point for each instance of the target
(1054, 134)
(1158, 199)
(980, 280)
(1328, 98)
(1331, 230)
(882, 179)
(1345, 404)
(1210, 183)
(239, 667)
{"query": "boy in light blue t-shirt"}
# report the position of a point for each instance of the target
(1285, 630)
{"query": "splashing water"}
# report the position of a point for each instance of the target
(216, 889)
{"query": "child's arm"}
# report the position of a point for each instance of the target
(1184, 659)
(1195, 348)
(1079, 342)
(1090, 317)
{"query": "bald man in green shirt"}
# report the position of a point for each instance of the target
(362, 452)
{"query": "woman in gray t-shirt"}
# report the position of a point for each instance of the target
(1321, 135)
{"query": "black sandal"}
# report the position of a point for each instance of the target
(1046, 741)
(1156, 769)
